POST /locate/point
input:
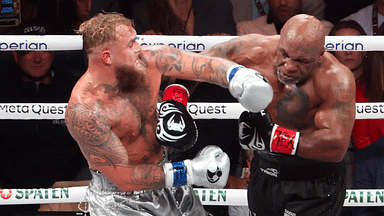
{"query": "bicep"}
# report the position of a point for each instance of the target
(92, 131)
(338, 110)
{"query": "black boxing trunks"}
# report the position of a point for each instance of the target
(316, 188)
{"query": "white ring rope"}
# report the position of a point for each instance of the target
(228, 197)
(55, 111)
(219, 197)
(190, 43)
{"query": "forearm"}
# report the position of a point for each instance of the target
(132, 178)
(323, 145)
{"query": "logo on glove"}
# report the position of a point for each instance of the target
(174, 129)
(213, 172)
(245, 131)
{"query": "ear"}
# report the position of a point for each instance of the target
(106, 56)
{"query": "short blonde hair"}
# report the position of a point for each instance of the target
(101, 29)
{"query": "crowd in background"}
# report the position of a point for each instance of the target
(40, 153)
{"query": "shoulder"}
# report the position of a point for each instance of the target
(335, 77)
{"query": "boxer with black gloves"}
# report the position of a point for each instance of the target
(175, 127)
(258, 132)
(300, 144)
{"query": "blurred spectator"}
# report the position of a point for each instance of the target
(369, 174)
(367, 69)
(244, 10)
(336, 10)
(36, 153)
(72, 13)
(99, 6)
(184, 17)
(279, 13)
(31, 10)
(370, 17)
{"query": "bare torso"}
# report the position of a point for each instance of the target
(293, 106)
(131, 117)
(321, 107)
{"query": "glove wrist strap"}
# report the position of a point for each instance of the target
(284, 140)
(175, 174)
(232, 71)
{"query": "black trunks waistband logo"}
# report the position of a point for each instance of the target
(270, 171)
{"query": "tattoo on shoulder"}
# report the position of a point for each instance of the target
(92, 132)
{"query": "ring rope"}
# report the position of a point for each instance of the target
(218, 197)
(190, 43)
(56, 111)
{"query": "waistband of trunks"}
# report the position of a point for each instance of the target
(304, 171)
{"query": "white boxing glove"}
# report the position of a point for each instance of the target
(253, 90)
(210, 168)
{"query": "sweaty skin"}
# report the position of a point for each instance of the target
(313, 94)
(112, 110)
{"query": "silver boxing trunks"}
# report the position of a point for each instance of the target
(105, 198)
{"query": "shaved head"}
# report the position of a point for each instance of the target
(304, 31)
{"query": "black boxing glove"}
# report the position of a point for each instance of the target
(175, 126)
(258, 132)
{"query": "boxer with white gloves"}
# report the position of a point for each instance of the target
(258, 132)
(210, 168)
(252, 89)
(175, 127)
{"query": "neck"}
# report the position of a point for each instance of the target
(46, 79)
(358, 72)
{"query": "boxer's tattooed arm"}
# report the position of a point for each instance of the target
(94, 136)
(173, 60)
(102, 147)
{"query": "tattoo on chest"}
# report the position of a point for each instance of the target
(293, 107)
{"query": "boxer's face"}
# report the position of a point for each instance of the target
(295, 61)
(36, 64)
(128, 60)
(352, 59)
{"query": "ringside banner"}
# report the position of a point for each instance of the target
(52, 111)
(40, 42)
(190, 43)
(207, 196)
(200, 43)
